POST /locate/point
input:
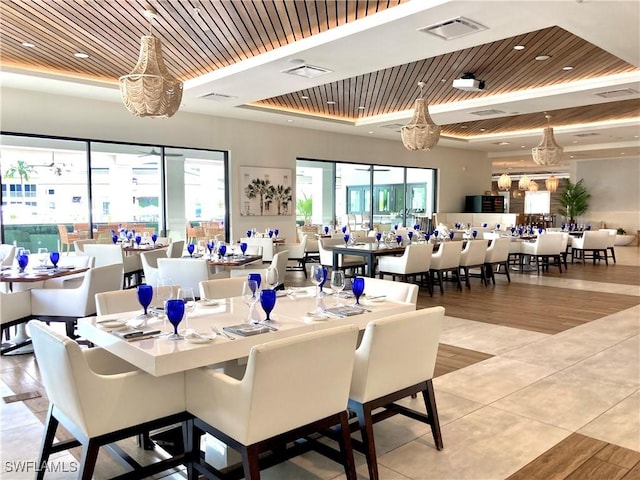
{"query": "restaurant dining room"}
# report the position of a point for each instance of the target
(320, 239)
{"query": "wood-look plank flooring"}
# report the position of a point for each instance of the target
(579, 457)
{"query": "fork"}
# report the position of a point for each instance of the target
(222, 332)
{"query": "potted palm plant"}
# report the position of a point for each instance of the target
(574, 199)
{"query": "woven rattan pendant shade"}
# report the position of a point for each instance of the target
(420, 133)
(504, 182)
(548, 152)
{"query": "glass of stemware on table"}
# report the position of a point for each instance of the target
(357, 287)
(145, 295)
(268, 302)
(318, 276)
(337, 284)
(188, 298)
(175, 310)
(250, 294)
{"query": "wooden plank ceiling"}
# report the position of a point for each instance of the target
(201, 36)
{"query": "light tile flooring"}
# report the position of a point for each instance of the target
(496, 415)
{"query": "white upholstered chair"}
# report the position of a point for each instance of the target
(265, 242)
(149, 261)
(120, 301)
(71, 281)
(592, 244)
(345, 262)
(69, 304)
(79, 244)
(292, 387)
(186, 272)
(612, 241)
(392, 290)
(113, 254)
(472, 256)
(15, 308)
(175, 249)
(384, 373)
(546, 247)
(414, 262)
(496, 256)
(99, 398)
(7, 254)
(222, 287)
(297, 253)
(446, 259)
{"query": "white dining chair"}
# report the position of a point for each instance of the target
(414, 262)
(292, 387)
(472, 256)
(149, 261)
(612, 241)
(297, 253)
(74, 280)
(68, 304)
(446, 259)
(186, 272)
(175, 249)
(121, 301)
(497, 257)
(593, 244)
(99, 399)
(222, 287)
(266, 243)
(384, 373)
(354, 263)
(545, 248)
(391, 290)
(15, 308)
(279, 262)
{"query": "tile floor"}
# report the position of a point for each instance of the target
(496, 415)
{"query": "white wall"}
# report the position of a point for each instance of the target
(461, 172)
(614, 185)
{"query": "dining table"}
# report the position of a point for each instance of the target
(31, 275)
(369, 251)
(297, 311)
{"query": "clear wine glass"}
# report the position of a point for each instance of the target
(43, 256)
(271, 278)
(337, 284)
(250, 293)
(175, 312)
(186, 295)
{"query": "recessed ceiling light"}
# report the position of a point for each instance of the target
(522, 146)
(519, 47)
(621, 153)
(28, 45)
(360, 107)
(483, 129)
(81, 55)
(542, 57)
(464, 126)
(503, 143)
(304, 97)
(567, 68)
(330, 102)
(370, 133)
(290, 121)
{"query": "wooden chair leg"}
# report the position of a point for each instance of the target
(50, 428)
(506, 271)
(346, 448)
(432, 411)
(366, 430)
(250, 462)
(441, 280)
(88, 459)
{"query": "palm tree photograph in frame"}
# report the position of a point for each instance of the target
(267, 191)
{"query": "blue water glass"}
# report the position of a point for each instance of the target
(474, 233)
(243, 247)
(145, 294)
(497, 226)
(190, 248)
(256, 277)
(399, 239)
(378, 236)
(513, 230)
(435, 234)
(276, 232)
(484, 225)
(326, 230)
(325, 274)
(410, 235)
(395, 227)
(154, 238)
(270, 233)
(114, 239)
(344, 229)
(55, 258)
(451, 235)
(210, 247)
(138, 240)
(357, 287)
(427, 236)
(174, 308)
(222, 250)
(23, 261)
(249, 232)
(540, 230)
(346, 239)
(268, 301)
(562, 226)
(416, 227)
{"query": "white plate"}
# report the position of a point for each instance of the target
(207, 302)
(113, 324)
(200, 338)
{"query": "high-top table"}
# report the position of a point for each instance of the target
(161, 356)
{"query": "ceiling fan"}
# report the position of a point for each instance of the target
(156, 153)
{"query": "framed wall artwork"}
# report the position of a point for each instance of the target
(265, 191)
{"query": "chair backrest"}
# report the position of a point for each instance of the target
(265, 242)
(565, 238)
(490, 235)
(612, 235)
(186, 272)
(149, 261)
(105, 254)
(222, 287)
(447, 256)
(280, 261)
(175, 249)
(79, 244)
(64, 234)
(119, 301)
(474, 253)
(100, 279)
(548, 244)
(14, 306)
(297, 380)
(326, 256)
(297, 250)
(498, 251)
(396, 291)
(7, 254)
(418, 257)
(381, 367)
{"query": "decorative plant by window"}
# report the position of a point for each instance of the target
(304, 206)
(574, 199)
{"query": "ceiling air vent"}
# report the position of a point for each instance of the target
(454, 28)
(218, 97)
(582, 135)
(307, 71)
(623, 92)
(486, 113)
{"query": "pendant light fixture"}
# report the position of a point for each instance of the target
(533, 186)
(552, 183)
(504, 182)
(548, 152)
(420, 133)
(523, 184)
(150, 90)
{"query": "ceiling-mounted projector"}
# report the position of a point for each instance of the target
(469, 83)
